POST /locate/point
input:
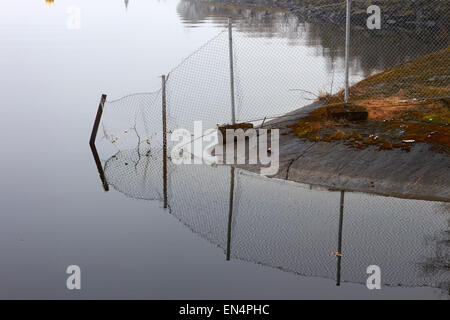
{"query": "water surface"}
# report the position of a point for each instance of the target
(55, 213)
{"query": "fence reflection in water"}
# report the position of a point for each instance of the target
(294, 227)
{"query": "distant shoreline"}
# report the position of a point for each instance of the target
(405, 15)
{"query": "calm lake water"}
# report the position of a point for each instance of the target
(279, 236)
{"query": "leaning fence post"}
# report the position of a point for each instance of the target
(347, 49)
(164, 129)
(98, 117)
(98, 163)
(230, 46)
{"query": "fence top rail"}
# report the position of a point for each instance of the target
(132, 95)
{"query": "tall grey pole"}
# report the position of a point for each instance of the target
(347, 49)
(164, 129)
(230, 40)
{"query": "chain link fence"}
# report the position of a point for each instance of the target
(282, 62)
(278, 68)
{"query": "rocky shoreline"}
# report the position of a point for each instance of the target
(409, 15)
(418, 174)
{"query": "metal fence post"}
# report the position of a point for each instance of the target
(230, 40)
(347, 49)
(164, 128)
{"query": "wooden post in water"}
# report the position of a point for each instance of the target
(164, 128)
(230, 213)
(98, 117)
(98, 163)
(339, 252)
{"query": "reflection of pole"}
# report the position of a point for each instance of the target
(98, 163)
(347, 49)
(230, 40)
(164, 128)
(339, 252)
(230, 214)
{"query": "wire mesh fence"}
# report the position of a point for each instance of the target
(133, 121)
(279, 67)
(198, 89)
(276, 71)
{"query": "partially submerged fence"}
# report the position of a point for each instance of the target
(291, 227)
(239, 77)
(263, 79)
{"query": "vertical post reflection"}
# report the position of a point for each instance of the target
(339, 250)
(230, 213)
